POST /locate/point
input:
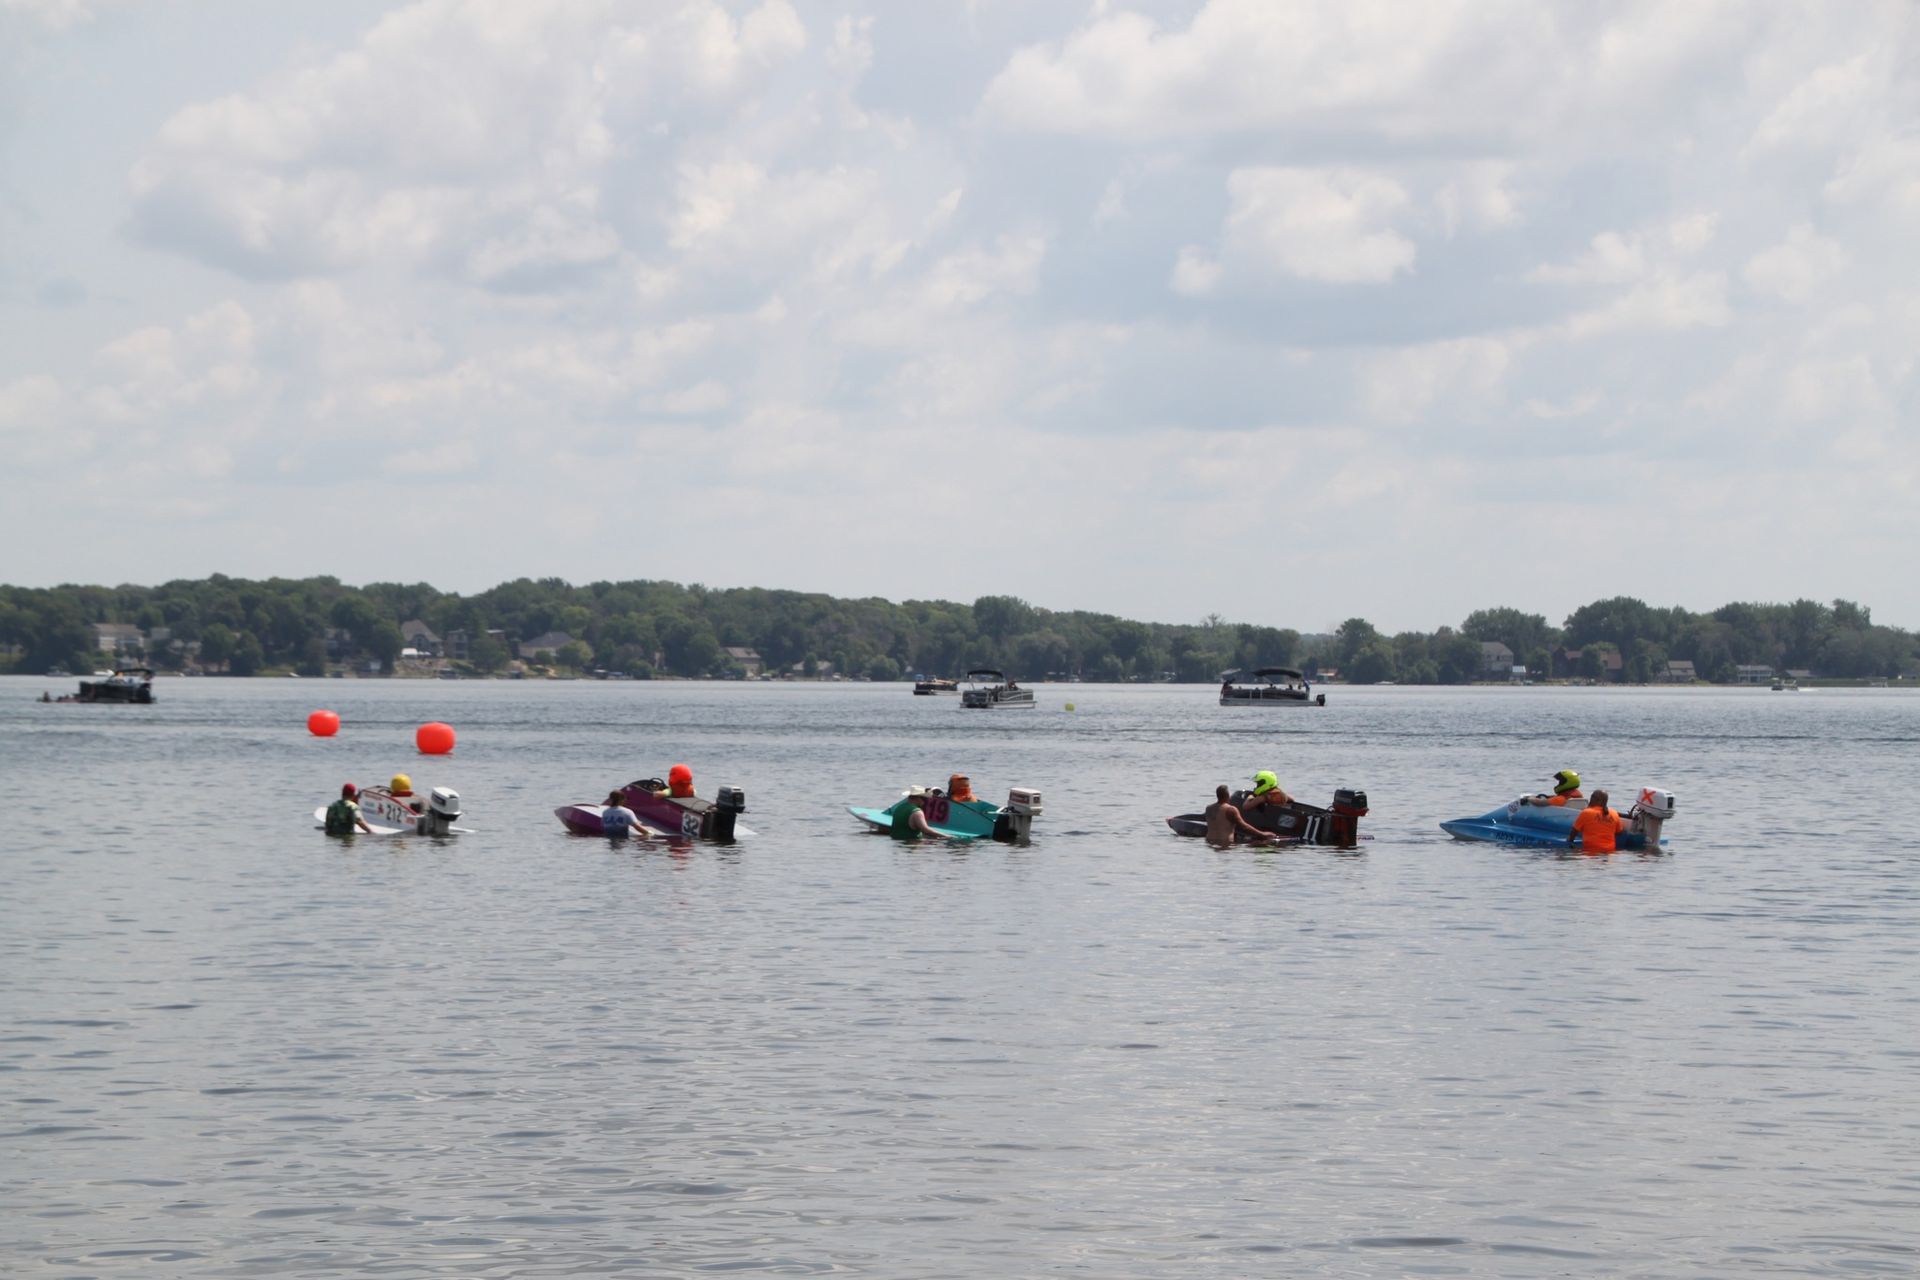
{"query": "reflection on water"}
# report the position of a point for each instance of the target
(229, 1046)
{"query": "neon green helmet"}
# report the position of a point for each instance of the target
(1564, 781)
(1264, 781)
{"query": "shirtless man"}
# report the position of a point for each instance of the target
(1224, 822)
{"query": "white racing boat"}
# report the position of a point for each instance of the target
(392, 815)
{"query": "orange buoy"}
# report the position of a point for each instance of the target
(434, 739)
(323, 724)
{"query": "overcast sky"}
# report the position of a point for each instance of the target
(1279, 310)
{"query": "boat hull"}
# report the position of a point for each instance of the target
(1529, 826)
(1337, 826)
(690, 817)
(963, 820)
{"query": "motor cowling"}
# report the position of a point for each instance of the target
(1014, 824)
(728, 804)
(1651, 809)
(1348, 807)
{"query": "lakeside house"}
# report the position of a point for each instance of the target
(748, 660)
(1496, 661)
(549, 643)
(417, 635)
(118, 637)
(1753, 673)
(1679, 672)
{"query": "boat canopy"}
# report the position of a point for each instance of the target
(1264, 673)
(134, 671)
(977, 672)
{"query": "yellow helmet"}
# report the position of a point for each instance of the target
(1264, 781)
(401, 784)
(1564, 781)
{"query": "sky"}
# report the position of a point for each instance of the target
(1285, 311)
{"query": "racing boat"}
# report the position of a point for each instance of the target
(1268, 687)
(1547, 826)
(987, 688)
(406, 814)
(1337, 825)
(671, 815)
(1011, 823)
(127, 684)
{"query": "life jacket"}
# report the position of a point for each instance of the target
(340, 816)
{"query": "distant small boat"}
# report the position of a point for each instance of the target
(1268, 687)
(988, 688)
(128, 684)
(935, 684)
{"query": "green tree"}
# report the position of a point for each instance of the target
(248, 655)
(217, 644)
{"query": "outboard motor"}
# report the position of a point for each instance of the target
(1650, 814)
(1349, 806)
(1015, 822)
(443, 807)
(728, 804)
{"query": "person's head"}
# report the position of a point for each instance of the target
(1565, 781)
(917, 797)
(959, 785)
(615, 798)
(680, 780)
(1264, 781)
(1599, 800)
(348, 791)
(1220, 793)
(401, 785)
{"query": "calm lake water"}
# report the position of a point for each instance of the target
(232, 1047)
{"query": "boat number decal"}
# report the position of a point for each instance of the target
(690, 824)
(938, 809)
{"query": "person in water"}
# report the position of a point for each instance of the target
(343, 815)
(1267, 792)
(1566, 789)
(910, 818)
(1596, 827)
(617, 821)
(960, 787)
(1224, 822)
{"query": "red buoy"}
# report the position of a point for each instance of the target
(434, 739)
(323, 724)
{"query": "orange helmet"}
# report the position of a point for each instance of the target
(680, 780)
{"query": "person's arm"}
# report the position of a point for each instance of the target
(1241, 824)
(1573, 832)
(360, 820)
(918, 821)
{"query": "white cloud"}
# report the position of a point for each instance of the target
(1797, 266)
(1662, 304)
(1317, 224)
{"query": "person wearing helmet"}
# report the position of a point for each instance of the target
(680, 782)
(1566, 789)
(343, 815)
(1267, 792)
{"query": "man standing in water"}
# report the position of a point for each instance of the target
(1596, 827)
(1224, 822)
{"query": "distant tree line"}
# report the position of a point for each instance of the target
(648, 628)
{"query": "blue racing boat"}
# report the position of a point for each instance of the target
(1544, 826)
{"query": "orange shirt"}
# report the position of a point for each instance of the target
(1559, 802)
(1597, 829)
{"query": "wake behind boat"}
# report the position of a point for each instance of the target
(990, 689)
(1268, 687)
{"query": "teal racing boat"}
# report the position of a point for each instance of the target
(964, 820)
